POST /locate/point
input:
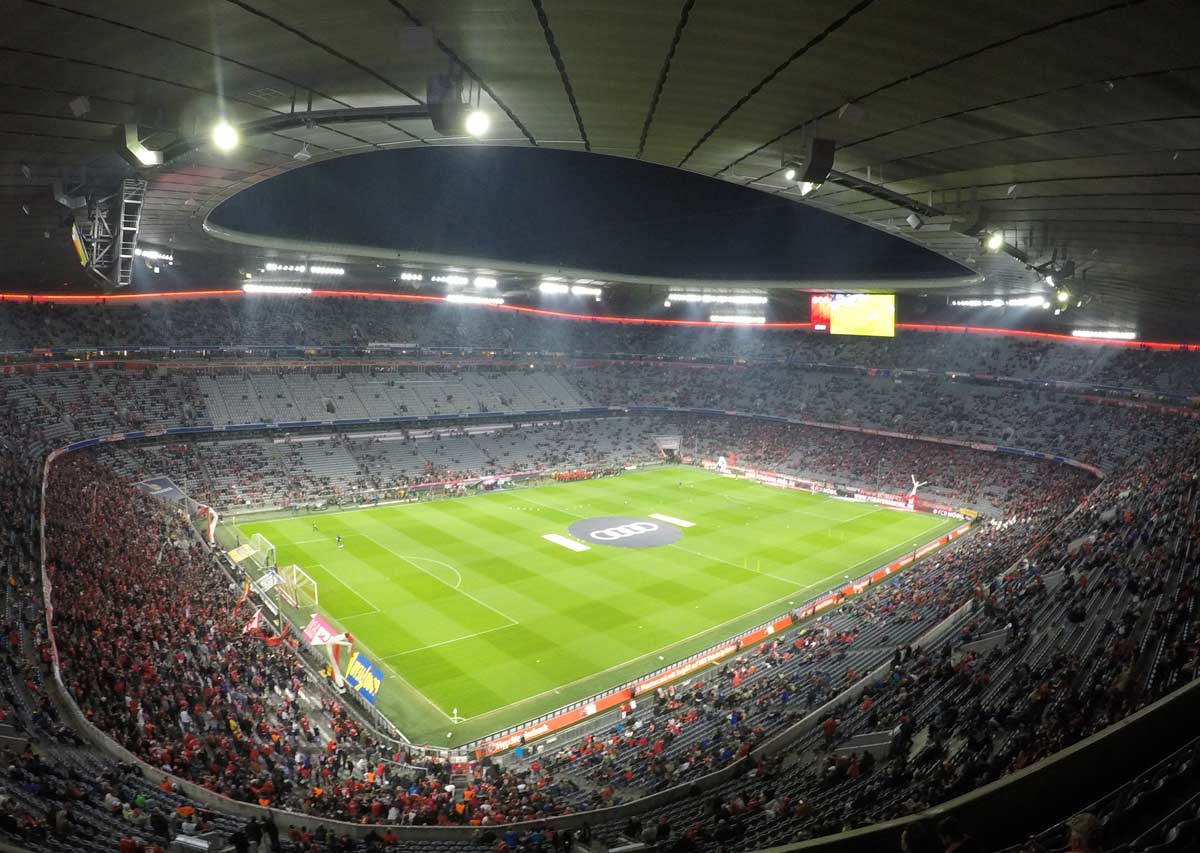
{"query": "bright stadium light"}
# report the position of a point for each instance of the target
(1063, 296)
(327, 270)
(789, 174)
(450, 279)
(478, 123)
(737, 319)
(553, 287)
(277, 289)
(718, 298)
(994, 242)
(484, 281)
(997, 302)
(807, 186)
(584, 290)
(468, 299)
(1103, 335)
(225, 136)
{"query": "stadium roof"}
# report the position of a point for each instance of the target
(1071, 124)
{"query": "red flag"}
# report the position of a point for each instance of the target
(255, 621)
(275, 641)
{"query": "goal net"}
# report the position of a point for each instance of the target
(263, 555)
(296, 587)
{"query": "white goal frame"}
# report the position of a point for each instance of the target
(264, 552)
(297, 587)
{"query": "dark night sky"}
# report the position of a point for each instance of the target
(571, 209)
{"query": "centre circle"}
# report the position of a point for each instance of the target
(625, 531)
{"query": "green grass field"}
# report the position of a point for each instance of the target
(464, 605)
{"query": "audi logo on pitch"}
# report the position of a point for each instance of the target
(623, 531)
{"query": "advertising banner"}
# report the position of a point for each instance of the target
(318, 632)
(364, 677)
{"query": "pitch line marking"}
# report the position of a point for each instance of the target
(546, 506)
(650, 654)
(457, 574)
(675, 643)
(353, 591)
(448, 642)
(439, 580)
(736, 566)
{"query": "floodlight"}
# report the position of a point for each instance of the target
(995, 242)
(478, 123)
(790, 174)
(1063, 295)
(225, 135)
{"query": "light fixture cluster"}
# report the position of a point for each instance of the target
(997, 302)
(277, 289)
(274, 267)
(718, 297)
(315, 270)
(470, 299)
(226, 137)
(411, 276)
(154, 255)
(737, 319)
(1103, 335)
(450, 278)
(484, 281)
(554, 285)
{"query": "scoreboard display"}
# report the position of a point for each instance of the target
(868, 314)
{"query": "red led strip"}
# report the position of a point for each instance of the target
(565, 315)
(1046, 336)
(87, 298)
(562, 315)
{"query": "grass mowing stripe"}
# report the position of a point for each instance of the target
(449, 579)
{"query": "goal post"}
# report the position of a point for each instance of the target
(263, 555)
(297, 587)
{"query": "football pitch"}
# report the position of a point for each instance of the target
(465, 604)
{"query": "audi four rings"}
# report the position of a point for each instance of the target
(621, 531)
(624, 531)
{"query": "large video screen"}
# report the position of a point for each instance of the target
(818, 312)
(871, 314)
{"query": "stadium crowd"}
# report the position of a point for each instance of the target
(1096, 622)
(1086, 636)
(355, 323)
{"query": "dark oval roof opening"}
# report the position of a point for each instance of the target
(562, 208)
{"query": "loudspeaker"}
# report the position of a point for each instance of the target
(818, 161)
